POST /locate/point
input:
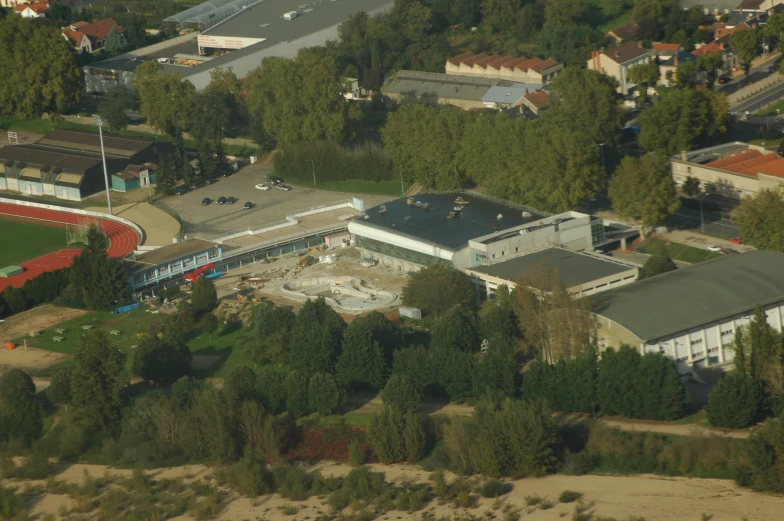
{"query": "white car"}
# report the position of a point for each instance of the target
(262, 186)
(714, 248)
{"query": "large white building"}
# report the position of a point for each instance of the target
(691, 314)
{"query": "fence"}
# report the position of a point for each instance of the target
(167, 209)
(491, 198)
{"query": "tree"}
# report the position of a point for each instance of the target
(745, 44)
(97, 241)
(691, 186)
(15, 299)
(456, 329)
(115, 41)
(361, 362)
(436, 288)
(643, 189)
(659, 262)
(209, 323)
(272, 327)
(765, 451)
(761, 219)
(496, 372)
(96, 382)
(401, 393)
(161, 359)
(59, 390)
(225, 83)
(764, 353)
(497, 323)
(324, 394)
(414, 436)
(167, 101)
(211, 116)
(686, 75)
(386, 435)
(240, 385)
(645, 75)
(270, 391)
(683, 119)
(316, 338)
(736, 402)
(710, 64)
(563, 13)
(204, 297)
(112, 108)
(16, 385)
(296, 387)
(165, 176)
(100, 280)
(275, 96)
(40, 71)
(552, 322)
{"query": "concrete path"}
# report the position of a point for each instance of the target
(159, 227)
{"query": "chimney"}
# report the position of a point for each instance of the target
(639, 44)
(684, 155)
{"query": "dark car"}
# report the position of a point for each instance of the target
(274, 179)
(724, 79)
(227, 173)
(210, 181)
(231, 200)
(181, 190)
(206, 201)
(221, 200)
(247, 206)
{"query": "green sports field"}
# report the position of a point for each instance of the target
(21, 241)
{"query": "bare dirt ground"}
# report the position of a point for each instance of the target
(22, 324)
(654, 498)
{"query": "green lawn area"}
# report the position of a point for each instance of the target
(357, 186)
(771, 110)
(612, 24)
(23, 241)
(678, 252)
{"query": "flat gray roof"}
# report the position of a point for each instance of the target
(710, 4)
(169, 253)
(714, 153)
(573, 268)
(247, 24)
(88, 141)
(416, 83)
(690, 297)
(117, 64)
(34, 155)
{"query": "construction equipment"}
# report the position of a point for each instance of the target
(248, 297)
(192, 276)
(305, 261)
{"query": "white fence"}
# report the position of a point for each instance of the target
(78, 211)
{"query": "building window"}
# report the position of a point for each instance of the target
(725, 333)
(213, 253)
(201, 258)
(683, 359)
(163, 269)
(187, 262)
(137, 278)
(517, 249)
(695, 342)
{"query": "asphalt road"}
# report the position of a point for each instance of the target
(757, 101)
(687, 219)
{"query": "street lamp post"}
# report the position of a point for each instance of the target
(702, 221)
(313, 164)
(601, 151)
(100, 122)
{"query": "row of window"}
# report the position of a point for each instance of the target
(179, 265)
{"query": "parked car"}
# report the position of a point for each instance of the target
(724, 79)
(712, 247)
(206, 201)
(181, 190)
(736, 240)
(221, 200)
(247, 206)
(231, 200)
(262, 186)
(274, 179)
(283, 187)
(210, 181)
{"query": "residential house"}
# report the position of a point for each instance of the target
(669, 56)
(134, 176)
(37, 10)
(617, 61)
(90, 37)
(625, 32)
(755, 19)
(521, 70)
(715, 47)
(536, 101)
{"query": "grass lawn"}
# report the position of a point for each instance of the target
(678, 252)
(771, 110)
(698, 418)
(612, 24)
(357, 186)
(27, 240)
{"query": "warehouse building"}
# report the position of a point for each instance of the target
(170, 262)
(67, 163)
(691, 314)
(582, 274)
(465, 231)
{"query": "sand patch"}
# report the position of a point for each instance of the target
(29, 358)
(36, 319)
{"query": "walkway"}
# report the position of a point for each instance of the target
(159, 227)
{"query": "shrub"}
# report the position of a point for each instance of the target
(249, 476)
(356, 454)
(568, 496)
(359, 485)
(494, 488)
(11, 505)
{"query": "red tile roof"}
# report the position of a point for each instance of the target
(39, 7)
(737, 158)
(100, 30)
(752, 163)
(76, 36)
(473, 59)
(544, 65)
(539, 99)
(626, 31)
(752, 166)
(774, 168)
(708, 49)
(674, 47)
(457, 59)
(499, 62)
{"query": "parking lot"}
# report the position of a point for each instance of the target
(213, 221)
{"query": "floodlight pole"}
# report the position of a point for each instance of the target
(313, 164)
(702, 221)
(100, 123)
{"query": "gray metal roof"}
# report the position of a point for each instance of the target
(206, 14)
(435, 85)
(573, 268)
(168, 253)
(691, 297)
(116, 64)
(248, 24)
(727, 5)
(433, 225)
(511, 95)
(33, 155)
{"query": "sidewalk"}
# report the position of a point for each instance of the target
(158, 226)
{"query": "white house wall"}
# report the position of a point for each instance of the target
(357, 228)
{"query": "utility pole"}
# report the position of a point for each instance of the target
(100, 122)
(313, 164)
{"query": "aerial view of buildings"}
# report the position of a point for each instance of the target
(421, 260)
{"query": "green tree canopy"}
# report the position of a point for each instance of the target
(39, 69)
(296, 387)
(166, 100)
(300, 99)
(59, 390)
(241, 384)
(161, 359)
(20, 414)
(324, 394)
(401, 393)
(115, 41)
(761, 219)
(643, 189)
(736, 402)
(316, 338)
(456, 329)
(270, 391)
(386, 434)
(436, 288)
(204, 297)
(645, 75)
(745, 44)
(99, 280)
(659, 262)
(361, 362)
(114, 106)
(710, 64)
(96, 384)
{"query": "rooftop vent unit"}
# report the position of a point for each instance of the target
(527, 215)
(499, 217)
(382, 209)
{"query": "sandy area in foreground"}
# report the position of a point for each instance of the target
(655, 498)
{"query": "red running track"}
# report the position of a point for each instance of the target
(122, 240)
